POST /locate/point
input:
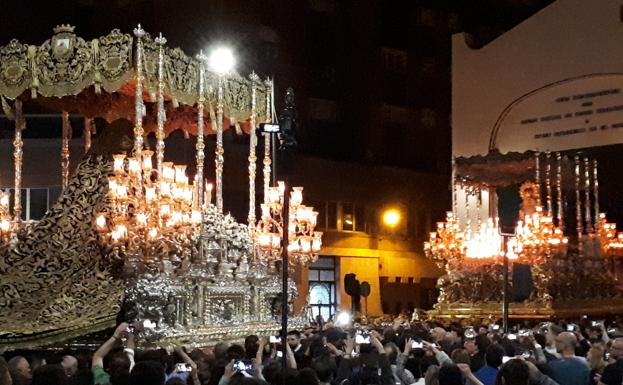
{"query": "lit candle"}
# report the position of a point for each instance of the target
(265, 211)
(168, 173)
(122, 191)
(165, 211)
(273, 195)
(176, 192)
(305, 245)
(293, 246)
(112, 185)
(147, 164)
(177, 217)
(264, 240)
(180, 175)
(296, 197)
(100, 222)
(118, 162)
(4, 199)
(141, 218)
(153, 233)
(165, 189)
(314, 218)
(317, 242)
(276, 241)
(188, 195)
(122, 230)
(150, 194)
(208, 192)
(134, 166)
(196, 217)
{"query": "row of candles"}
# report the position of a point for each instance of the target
(149, 202)
(611, 240)
(535, 236)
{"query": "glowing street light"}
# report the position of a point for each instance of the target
(222, 60)
(391, 217)
(343, 319)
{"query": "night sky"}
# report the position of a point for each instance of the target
(327, 50)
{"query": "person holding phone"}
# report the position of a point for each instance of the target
(397, 360)
(187, 368)
(118, 364)
(377, 369)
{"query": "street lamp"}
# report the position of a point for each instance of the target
(222, 60)
(391, 217)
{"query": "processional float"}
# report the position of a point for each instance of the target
(128, 230)
(562, 238)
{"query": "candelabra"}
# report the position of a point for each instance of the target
(447, 244)
(485, 244)
(155, 217)
(303, 242)
(611, 240)
(538, 238)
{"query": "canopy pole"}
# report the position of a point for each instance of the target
(18, 145)
(65, 149)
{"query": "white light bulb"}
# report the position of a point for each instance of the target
(222, 60)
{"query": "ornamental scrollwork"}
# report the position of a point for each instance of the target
(64, 64)
(15, 69)
(114, 60)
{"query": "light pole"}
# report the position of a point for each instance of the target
(284, 131)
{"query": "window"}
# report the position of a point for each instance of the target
(348, 217)
(35, 202)
(341, 216)
(322, 287)
(395, 60)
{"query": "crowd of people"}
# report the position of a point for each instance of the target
(399, 351)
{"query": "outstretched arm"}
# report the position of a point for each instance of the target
(193, 366)
(98, 356)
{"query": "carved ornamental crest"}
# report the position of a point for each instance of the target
(63, 42)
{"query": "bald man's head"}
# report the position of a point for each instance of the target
(70, 365)
(438, 334)
(566, 342)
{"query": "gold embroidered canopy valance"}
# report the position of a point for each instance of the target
(97, 79)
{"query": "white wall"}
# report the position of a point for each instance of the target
(570, 39)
